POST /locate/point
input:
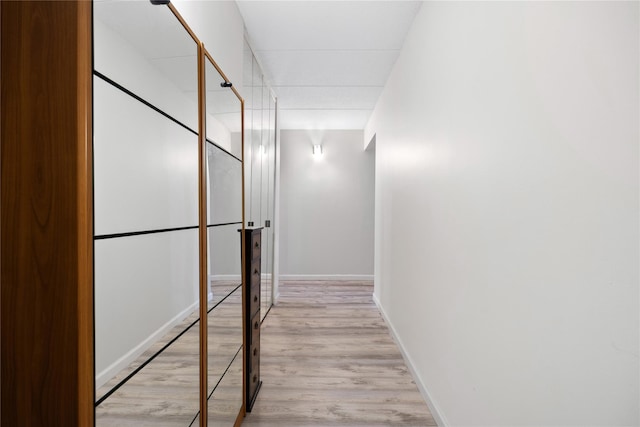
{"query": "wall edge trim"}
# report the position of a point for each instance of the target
(335, 277)
(220, 277)
(435, 409)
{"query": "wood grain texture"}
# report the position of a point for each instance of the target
(202, 227)
(84, 162)
(46, 248)
(328, 360)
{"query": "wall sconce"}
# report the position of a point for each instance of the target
(317, 151)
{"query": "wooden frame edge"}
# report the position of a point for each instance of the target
(184, 23)
(207, 56)
(202, 214)
(47, 247)
(243, 263)
(235, 91)
(86, 356)
(202, 234)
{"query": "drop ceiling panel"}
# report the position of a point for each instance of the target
(328, 24)
(342, 98)
(323, 119)
(328, 68)
(327, 60)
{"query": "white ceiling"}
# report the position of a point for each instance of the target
(327, 61)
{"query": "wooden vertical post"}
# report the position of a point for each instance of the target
(202, 223)
(46, 249)
(243, 262)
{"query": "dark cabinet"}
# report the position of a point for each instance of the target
(253, 251)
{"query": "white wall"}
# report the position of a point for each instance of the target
(507, 210)
(326, 206)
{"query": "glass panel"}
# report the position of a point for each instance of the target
(224, 327)
(146, 50)
(260, 167)
(264, 201)
(226, 401)
(146, 244)
(270, 210)
(247, 76)
(256, 147)
(145, 167)
(145, 291)
(225, 338)
(165, 392)
(225, 270)
(224, 118)
(225, 187)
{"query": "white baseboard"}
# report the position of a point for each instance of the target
(225, 277)
(336, 277)
(431, 403)
(112, 370)
(232, 277)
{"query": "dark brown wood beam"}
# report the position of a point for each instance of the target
(46, 248)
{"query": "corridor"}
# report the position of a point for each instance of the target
(328, 360)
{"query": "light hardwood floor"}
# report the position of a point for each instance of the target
(328, 360)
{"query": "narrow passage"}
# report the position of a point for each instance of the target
(327, 359)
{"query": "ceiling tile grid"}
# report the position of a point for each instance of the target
(328, 68)
(327, 97)
(327, 60)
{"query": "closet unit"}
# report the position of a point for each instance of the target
(168, 162)
(125, 175)
(260, 160)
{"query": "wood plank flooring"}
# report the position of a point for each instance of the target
(328, 360)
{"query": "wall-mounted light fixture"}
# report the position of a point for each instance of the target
(317, 151)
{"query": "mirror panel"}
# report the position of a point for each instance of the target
(247, 77)
(260, 158)
(256, 146)
(225, 269)
(145, 216)
(224, 327)
(225, 186)
(225, 334)
(225, 342)
(272, 191)
(145, 168)
(224, 409)
(224, 117)
(144, 49)
(265, 195)
(268, 191)
(163, 392)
